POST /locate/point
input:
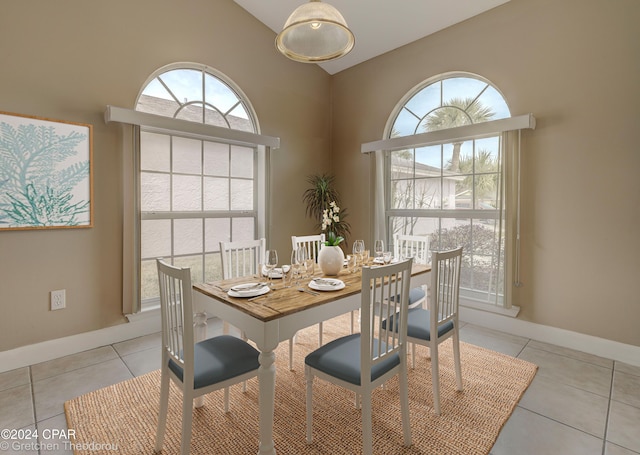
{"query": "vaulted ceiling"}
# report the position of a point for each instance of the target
(379, 25)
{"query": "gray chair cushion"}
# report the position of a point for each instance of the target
(418, 324)
(218, 359)
(415, 294)
(341, 358)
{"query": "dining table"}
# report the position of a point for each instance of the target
(276, 316)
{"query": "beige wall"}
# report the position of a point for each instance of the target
(574, 64)
(69, 59)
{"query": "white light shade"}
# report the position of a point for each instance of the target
(315, 32)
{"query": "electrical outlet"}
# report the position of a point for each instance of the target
(58, 299)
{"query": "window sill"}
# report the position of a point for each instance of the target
(510, 312)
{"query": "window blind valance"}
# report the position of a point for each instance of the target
(161, 124)
(460, 133)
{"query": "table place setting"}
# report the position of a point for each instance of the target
(326, 284)
(248, 290)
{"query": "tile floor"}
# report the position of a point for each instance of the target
(577, 404)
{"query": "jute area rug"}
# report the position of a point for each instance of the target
(122, 418)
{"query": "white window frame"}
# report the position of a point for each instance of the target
(132, 122)
(379, 149)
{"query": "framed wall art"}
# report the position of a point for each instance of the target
(46, 173)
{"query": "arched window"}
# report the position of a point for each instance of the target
(452, 190)
(195, 189)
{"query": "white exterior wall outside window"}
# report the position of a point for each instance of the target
(194, 191)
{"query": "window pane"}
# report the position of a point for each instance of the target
(213, 267)
(216, 230)
(243, 229)
(194, 263)
(187, 194)
(187, 156)
(187, 236)
(155, 238)
(216, 159)
(149, 280)
(218, 94)
(154, 192)
(185, 84)
(154, 152)
(241, 194)
(216, 194)
(241, 161)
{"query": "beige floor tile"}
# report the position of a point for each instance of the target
(626, 388)
(578, 355)
(54, 436)
(528, 433)
(139, 344)
(612, 449)
(624, 426)
(16, 408)
(569, 371)
(492, 339)
(143, 362)
(14, 378)
(72, 362)
(577, 408)
(51, 393)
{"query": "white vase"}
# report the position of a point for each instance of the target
(331, 260)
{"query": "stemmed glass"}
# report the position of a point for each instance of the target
(358, 249)
(295, 266)
(378, 249)
(270, 263)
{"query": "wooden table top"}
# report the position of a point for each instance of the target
(280, 302)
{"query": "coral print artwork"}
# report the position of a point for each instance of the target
(45, 173)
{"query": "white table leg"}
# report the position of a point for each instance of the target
(267, 377)
(199, 334)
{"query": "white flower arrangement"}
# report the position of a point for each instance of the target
(331, 216)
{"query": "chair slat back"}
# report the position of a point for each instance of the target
(242, 257)
(311, 243)
(411, 246)
(445, 286)
(385, 295)
(176, 313)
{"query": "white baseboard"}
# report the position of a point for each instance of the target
(560, 337)
(146, 324)
(48, 350)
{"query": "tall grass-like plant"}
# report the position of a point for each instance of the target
(318, 198)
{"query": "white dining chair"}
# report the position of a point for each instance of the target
(363, 361)
(416, 247)
(312, 244)
(242, 257)
(196, 368)
(431, 327)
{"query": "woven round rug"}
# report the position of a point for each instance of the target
(122, 418)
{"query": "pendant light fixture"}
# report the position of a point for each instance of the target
(315, 32)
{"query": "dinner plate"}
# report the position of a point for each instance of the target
(380, 261)
(248, 290)
(326, 284)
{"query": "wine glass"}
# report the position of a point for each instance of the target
(378, 249)
(270, 263)
(358, 249)
(295, 266)
(387, 256)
